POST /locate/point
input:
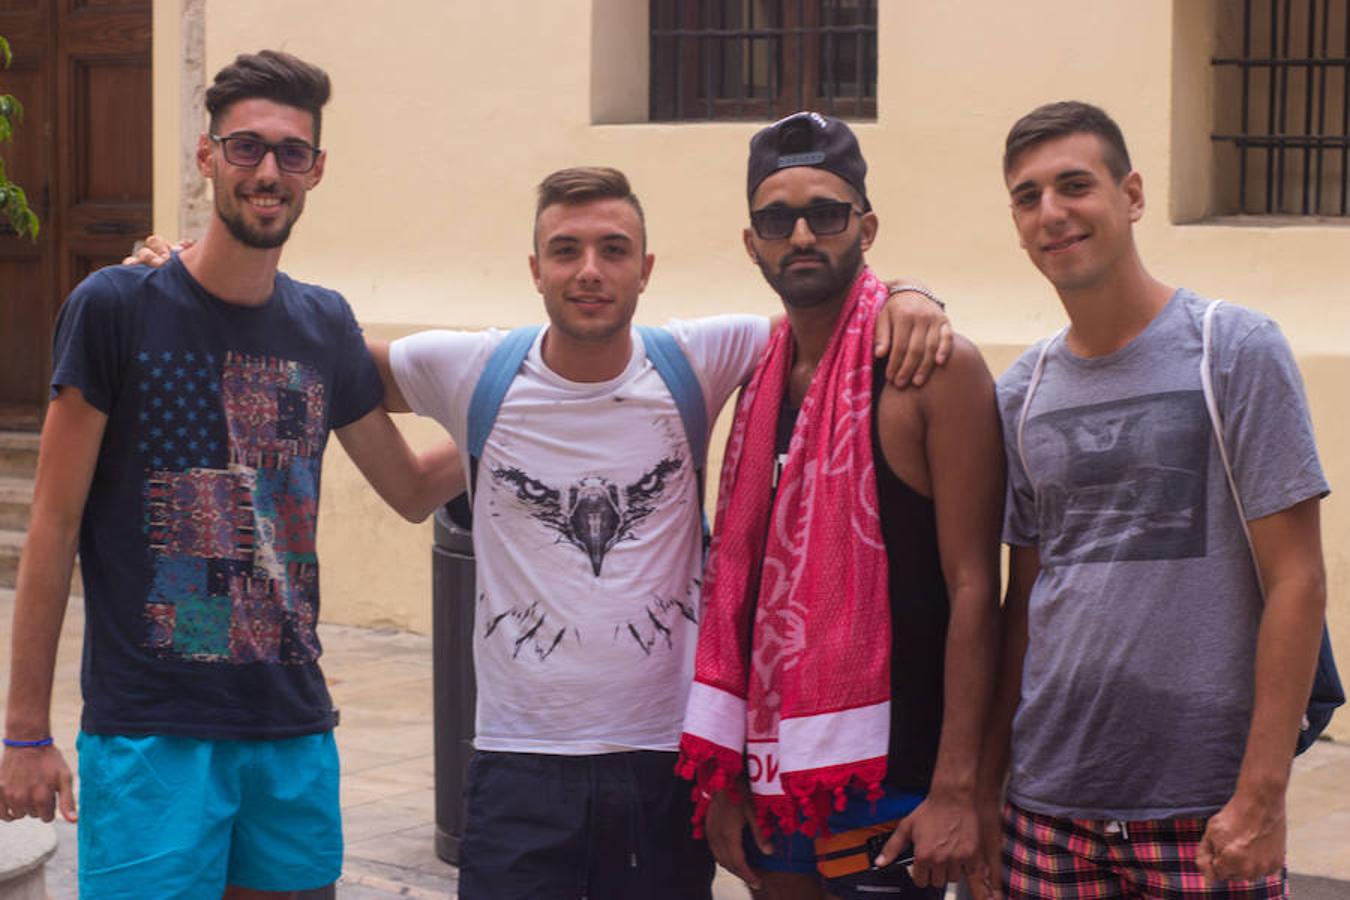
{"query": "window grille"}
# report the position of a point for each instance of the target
(1284, 105)
(762, 59)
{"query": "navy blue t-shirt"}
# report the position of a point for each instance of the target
(197, 543)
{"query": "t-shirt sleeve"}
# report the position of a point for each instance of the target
(1267, 427)
(723, 352)
(438, 370)
(1019, 513)
(357, 388)
(89, 342)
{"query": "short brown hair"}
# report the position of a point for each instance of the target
(582, 184)
(1063, 118)
(270, 75)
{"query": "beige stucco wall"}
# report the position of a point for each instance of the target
(447, 112)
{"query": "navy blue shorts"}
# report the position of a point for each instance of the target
(612, 826)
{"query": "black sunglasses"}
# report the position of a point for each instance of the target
(773, 223)
(295, 157)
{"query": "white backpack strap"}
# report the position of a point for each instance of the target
(1216, 423)
(1036, 372)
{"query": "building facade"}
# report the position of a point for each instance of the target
(446, 114)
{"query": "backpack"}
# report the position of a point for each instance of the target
(1327, 691)
(666, 357)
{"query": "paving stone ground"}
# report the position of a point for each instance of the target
(381, 680)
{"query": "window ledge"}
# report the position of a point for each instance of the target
(1273, 221)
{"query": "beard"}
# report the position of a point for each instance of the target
(804, 290)
(248, 235)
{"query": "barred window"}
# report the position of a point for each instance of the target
(762, 59)
(1282, 120)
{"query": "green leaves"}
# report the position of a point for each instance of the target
(11, 114)
(13, 200)
(14, 208)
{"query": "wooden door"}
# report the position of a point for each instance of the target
(82, 70)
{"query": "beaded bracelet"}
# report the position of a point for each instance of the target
(44, 742)
(917, 289)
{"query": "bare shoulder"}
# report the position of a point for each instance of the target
(964, 377)
(965, 361)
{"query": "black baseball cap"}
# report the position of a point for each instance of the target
(807, 139)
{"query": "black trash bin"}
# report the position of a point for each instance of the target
(454, 694)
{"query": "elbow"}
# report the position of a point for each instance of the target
(411, 504)
(413, 510)
(1304, 588)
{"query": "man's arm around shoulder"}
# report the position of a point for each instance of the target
(33, 779)
(1246, 839)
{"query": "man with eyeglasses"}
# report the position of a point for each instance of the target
(181, 453)
(845, 660)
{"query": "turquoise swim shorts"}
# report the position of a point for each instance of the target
(172, 817)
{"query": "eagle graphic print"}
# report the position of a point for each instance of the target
(592, 515)
(595, 514)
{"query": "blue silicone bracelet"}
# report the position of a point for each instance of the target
(45, 742)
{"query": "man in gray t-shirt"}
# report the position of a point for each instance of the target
(1151, 697)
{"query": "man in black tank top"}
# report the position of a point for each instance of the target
(939, 469)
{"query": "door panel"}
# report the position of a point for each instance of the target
(110, 161)
(82, 70)
(103, 75)
(27, 270)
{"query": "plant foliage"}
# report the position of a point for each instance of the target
(13, 201)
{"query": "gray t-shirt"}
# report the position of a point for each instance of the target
(1138, 679)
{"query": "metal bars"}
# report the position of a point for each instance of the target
(762, 59)
(1293, 71)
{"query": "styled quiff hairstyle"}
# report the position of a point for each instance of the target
(270, 75)
(582, 184)
(1054, 120)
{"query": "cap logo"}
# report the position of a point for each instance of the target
(813, 116)
(801, 159)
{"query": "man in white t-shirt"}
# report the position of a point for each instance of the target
(589, 559)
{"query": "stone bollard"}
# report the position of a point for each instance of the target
(25, 847)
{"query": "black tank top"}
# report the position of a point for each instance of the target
(919, 609)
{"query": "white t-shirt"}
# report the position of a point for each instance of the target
(587, 536)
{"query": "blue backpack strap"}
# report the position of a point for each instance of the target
(673, 367)
(501, 369)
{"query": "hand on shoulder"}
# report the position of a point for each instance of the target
(154, 251)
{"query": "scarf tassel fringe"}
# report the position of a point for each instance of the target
(711, 768)
(810, 799)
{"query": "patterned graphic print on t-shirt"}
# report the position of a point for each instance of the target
(231, 494)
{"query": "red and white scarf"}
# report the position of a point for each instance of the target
(806, 706)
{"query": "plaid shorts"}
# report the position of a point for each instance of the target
(1049, 858)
